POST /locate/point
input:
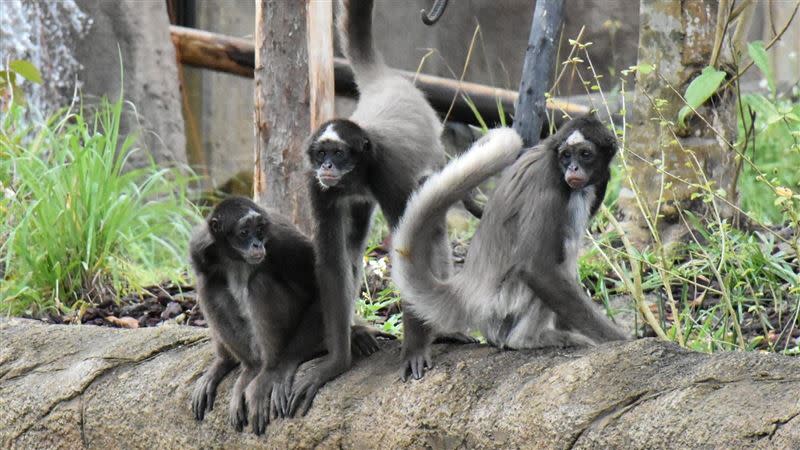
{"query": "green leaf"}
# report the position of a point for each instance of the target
(645, 68)
(760, 58)
(27, 70)
(699, 90)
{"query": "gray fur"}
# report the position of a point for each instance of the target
(519, 282)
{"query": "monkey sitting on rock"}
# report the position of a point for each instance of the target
(258, 292)
(519, 285)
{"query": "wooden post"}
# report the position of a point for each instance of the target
(319, 21)
(282, 115)
(537, 70)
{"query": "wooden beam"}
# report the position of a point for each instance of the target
(319, 36)
(235, 55)
(214, 51)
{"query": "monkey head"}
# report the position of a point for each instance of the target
(585, 148)
(240, 226)
(336, 149)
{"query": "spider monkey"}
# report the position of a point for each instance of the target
(519, 283)
(257, 290)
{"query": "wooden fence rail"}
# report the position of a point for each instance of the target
(223, 53)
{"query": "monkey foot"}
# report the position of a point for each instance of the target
(203, 397)
(364, 341)
(415, 364)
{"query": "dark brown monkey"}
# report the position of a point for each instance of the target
(376, 157)
(257, 290)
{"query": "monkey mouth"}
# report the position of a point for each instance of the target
(576, 182)
(255, 258)
(328, 181)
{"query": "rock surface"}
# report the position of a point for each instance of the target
(73, 386)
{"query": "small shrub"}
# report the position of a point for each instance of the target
(76, 223)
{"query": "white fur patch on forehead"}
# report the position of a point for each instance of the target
(575, 138)
(250, 214)
(330, 134)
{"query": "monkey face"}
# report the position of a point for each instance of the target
(249, 241)
(578, 160)
(335, 151)
(246, 237)
(333, 161)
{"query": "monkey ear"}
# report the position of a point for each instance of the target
(366, 144)
(215, 225)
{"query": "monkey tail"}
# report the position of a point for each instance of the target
(355, 35)
(439, 301)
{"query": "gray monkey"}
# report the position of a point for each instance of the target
(519, 283)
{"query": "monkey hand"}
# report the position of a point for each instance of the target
(258, 397)
(205, 391)
(364, 341)
(320, 371)
(237, 412)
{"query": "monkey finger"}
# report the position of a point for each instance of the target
(308, 400)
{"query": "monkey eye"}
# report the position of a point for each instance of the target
(320, 153)
(339, 153)
(243, 233)
(586, 154)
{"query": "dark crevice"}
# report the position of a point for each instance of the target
(611, 413)
(779, 423)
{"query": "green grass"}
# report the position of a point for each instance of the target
(775, 150)
(77, 223)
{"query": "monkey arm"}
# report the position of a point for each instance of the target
(562, 294)
(335, 280)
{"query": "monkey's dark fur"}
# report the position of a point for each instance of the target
(258, 292)
(377, 156)
(519, 284)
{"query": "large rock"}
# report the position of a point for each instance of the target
(72, 386)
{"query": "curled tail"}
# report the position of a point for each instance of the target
(355, 36)
(439, 301)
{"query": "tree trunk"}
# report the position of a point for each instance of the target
(678, 39)
(282, 114)
(537, 70)
(86, 386)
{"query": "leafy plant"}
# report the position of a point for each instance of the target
(78, 223)
(700, 90)
(9, 88)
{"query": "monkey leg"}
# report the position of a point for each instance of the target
(418, 335)
(237, 409)
(560, 292)
(205, 390)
